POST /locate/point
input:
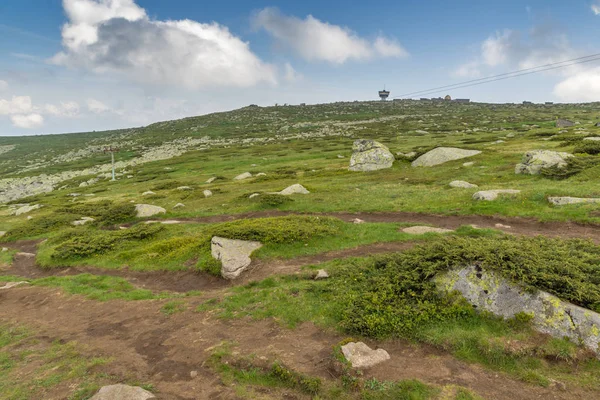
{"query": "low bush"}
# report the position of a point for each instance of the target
(40, 226)
(574, 166)
(273, 200)
(167, 185)
(588, 147)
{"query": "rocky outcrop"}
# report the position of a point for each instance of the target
(369, 155)
(489, 195)
(294, 189)
(533, 161)
(123, 392)
(488, 291)
(462, 185)
(563, 201)
(233, 254)
(442, 155)
(147, 210)
(421, 230)
(362, 356)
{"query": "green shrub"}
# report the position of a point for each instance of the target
(105, 212)
(273, 200)
(167, 185)
(574, 166)
(40, 226)
(588, 147)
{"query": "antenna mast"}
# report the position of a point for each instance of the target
(112, 151)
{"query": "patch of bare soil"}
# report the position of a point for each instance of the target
(150, 347)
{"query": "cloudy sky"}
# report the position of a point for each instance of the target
(80, 65)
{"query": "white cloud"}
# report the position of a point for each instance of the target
(315, 40)
(117, 36)
(96, 106)
(291, 75)
(17, 105)
(28, 121)
(64, 109)
(468, 70)
(3, 85)
(581, 87)
(596, 7)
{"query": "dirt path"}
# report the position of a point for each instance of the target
(518, 226)
(150, 347)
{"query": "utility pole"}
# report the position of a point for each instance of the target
(112, 151)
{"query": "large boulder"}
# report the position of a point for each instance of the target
(294, 189)
(369, 155)
(147, 210)
(489, 195)
(233, 254)
(362, 356)
(533, 161)
(563, 201)
(442, 155)
(488, 291)
(123, 392)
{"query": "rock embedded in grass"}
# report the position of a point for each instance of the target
(592, 139)
(321, 274)
(490, 195)
(421, 230)
(533, 161)
(564, 123)
(462, 185)
(562, 201)
(211, 180)
(207, 193)
(179, 205)
(10, 285)
(148, 193)
(294, 189)
(27, 209)
(122, 392)
(362, 356)
(442, 155)
(148, 210)
(369, 155)
(233, 254)
(243, 176)
(82, 221)
(184, 188)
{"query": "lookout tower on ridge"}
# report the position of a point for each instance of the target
(384, 94)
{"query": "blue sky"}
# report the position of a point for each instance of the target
(80, 65)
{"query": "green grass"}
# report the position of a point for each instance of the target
(173, 307)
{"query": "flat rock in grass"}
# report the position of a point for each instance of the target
(184, 188)
(462, 185)
(233, 254)
(468, 164)
(491, 292)
(321, 274)
(82, 221)
(243, 176)
(211, 180)
(123, 392)
(421, 230)
(10, 285)
(490, 195)
(2, 233)
(358, 221)
(442, 155)
(27, 209)
(369, 155)
(207, 193)
(253, 195)
(362, 356)
(25, 255)
(592, 139)
(294, 189)
(148, 210)
(563, 201)
(533, 161)
(148, 193)
(179, 205)
(564, 123)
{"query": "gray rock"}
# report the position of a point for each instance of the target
(243, 176)
(321, 274)
(533, 161)
(420, 230)
(409, 156)
(362, 356)
(369, 155)
(148, 193)
(27, 209)
(4, 249)
(123, 392)
(10, 285)
(468, 164)
(211, 180)
(184, 188)
(179, 205)
(2, 233)
(489, 195)
(562, 201)
(358, 221)
(207, 193)
(442, 155)
(592, 139)
(261, 174)
(490, 292)
(82, 221)
(294, 189)
(564, 123)
(25, 255)
(462, 185)
(253, 195)
(147, 210)
(233, 254)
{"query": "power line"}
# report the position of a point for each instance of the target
(507, 75)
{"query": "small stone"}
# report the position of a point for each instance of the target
(501, 226)
(211, 180)
(2, 233)
(294, 189)
(148, 193)
(4, 249)
(340, 156)
(592, 139)
(193, 374)
(184, 188)
(253, 195)
(562, 201)
(179, 205)
(369, 155)
(489, 195)
(462, 185)
(442, 155)
(358, 221)
(362, 356)
(207, 193)
(261, 174)
(147, 210)
(243, 176)
(468, 164)
(420, 230)
(29, 218)
(25, 255)
(122, 392)
(321, 274)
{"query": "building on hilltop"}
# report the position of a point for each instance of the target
(527, 103)
(384, 94)
(448, 98)
(462, 100)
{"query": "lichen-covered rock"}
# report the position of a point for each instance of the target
(562, 201)
(564, 123)
(462, 185)
(123, 392)
(442, 155)
(147, 210)
(421, 230)
(362, 356)
(27, 209)
(243, 176)
(294, 189)
(490, 292)
(233, 254)
(533, 161)
(369, 155)
(489, 195)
